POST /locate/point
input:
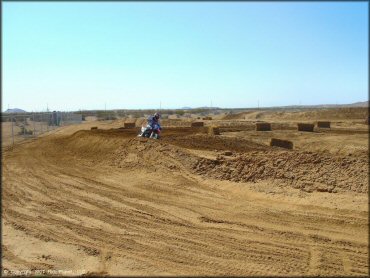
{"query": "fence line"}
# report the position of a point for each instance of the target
(18, 127)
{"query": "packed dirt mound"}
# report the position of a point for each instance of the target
(153, 155)
(208, 142)
(303, 170)
(242, 160)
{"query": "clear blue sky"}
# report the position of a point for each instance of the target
(134, 55)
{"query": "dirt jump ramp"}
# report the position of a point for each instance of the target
(250, 162)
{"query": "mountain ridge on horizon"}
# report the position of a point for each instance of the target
(355, 104)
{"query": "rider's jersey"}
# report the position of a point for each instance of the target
(152, 121)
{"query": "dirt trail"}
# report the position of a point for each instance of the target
(108, 203)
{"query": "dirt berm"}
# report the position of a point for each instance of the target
(249, 162)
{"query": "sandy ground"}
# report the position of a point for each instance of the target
(80, 201)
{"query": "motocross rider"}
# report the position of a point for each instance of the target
(153, 121)
(153, 124)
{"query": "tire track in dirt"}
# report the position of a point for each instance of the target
(176, 224)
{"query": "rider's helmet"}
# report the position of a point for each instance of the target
(157, 115)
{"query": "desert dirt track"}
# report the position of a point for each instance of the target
(107, 203)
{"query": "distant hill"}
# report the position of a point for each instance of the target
(15, 110)
(207, 107)
(203, 107)
(357, 104)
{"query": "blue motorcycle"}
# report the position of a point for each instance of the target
(151, 131)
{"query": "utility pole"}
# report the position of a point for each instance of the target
(105, 110)
(33, 121)
(12, 119)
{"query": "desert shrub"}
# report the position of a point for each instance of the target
(105, 116)
(180, 112)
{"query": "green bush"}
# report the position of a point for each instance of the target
(180, 112)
